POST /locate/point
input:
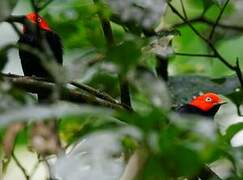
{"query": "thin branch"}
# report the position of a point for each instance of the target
(217, 20)
(107, 30)
(44, 5)
(30, 84)
(209, 22)
(20, 167)
(216, 53)
(238, 72)
(183, 9)
(95, 92)
(195, 55)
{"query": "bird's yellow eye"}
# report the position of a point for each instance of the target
(208, 99)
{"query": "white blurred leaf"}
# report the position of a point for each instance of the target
(201, 125)
(41, 112)
(97, 156)
(153, 88)
(160, 46)
(145, 12)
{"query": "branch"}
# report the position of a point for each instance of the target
(195, 55)
(20, 167)
(216, 53)
(217, 20)
(107, 30)
(32, 85)
(235, 68)
(208, 22)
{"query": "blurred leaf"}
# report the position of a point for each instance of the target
(96, 155)
(42, 112)
(232, 131)
(145, 13)
(156, 93)
(6, 7)
(126, 54)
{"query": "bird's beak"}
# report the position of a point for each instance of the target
(222, 102)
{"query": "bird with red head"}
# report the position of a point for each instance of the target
(205, 105)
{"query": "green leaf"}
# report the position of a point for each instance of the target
(125, 55)
(232, 131)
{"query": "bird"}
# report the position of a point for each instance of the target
(37, 34)
(205, 105)
(35, 28)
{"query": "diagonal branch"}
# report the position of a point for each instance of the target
(217, 20)
(32, 85)
(215, 51)
(209, 22)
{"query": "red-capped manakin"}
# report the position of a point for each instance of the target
(31, 64)
(205, 105)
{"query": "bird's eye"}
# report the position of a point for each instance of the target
(38, 20)
(208, 99)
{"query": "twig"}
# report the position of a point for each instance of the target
(107, 30)
(215, 51)
(195, 55)
(44, 5)
(236, 68)
(95, 92)
(238, 72)
(35, 167)
(209, 22)
(217, 20)
(183, 9)
(32, 85)
(27, 177)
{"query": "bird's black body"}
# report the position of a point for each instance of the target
(31, 64)
(190, 109)
(205, 173)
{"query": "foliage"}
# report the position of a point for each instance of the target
(113, 49)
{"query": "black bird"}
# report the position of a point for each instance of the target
(35, 28)
(205, 105)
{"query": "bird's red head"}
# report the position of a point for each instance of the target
(206, 101)
(37, 19)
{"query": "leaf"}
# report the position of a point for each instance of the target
(96, 155)
(42, 112)
(232, 131)
(145, 13)
(126, 54)
(6, 7)
(156, 93)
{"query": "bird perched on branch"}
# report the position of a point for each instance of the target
(205, 105)
(35, 33)
(31, 36)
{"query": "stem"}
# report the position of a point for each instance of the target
(20, 166)
(107, 30)
(217, 20)
(195, 55)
